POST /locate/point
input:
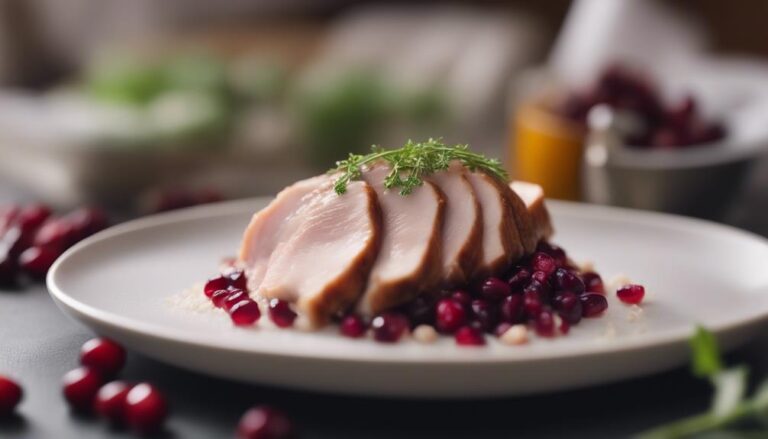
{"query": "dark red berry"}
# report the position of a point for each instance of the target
(485, 314)
(215, 284)
(557, 253)
(110, 401)
(55, 233)
(463, 297)
(10, 395)
(102, 355)
(593, 283)
(421, 311)
(593, 304)
(632, 294)
(235, 297)
(565, 280)
(532, 304)
(450, 315)
(544, 324)
(238, 280)
(264, 422)
(80, 387)
(352, 326)
(543, 262)
(86, 221)
(36, 261)
(145, 408)
(568, 306)
(389, 327)
(520, 279)
(469, 336)
(512, 308)
(281, 314)
(33, 216)
(219, 297)
(540, 277)
(494, 289)
(245, 313)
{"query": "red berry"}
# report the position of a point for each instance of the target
(631, 294)
(352, 326)
(10, 395)
(469, 336)
(593, 304)
(495, 289)
(103, 355)
(145, 408)
(389, 327)
(245, 313)
(33, 216)
(463, 297)
(264, 422)
(544, 324)
(512, 309)
(520, 279)
(215, 284)
(86, 221)
(238, 280)
(281, 314)
(593, 283)
(80, 387)
(234, 297)
(485, 314)
(449, 315)
(543, 262)
(568, 306)
(110, 401)
(37, 260)
(55, 233)
(532, 303)
(219, 297)
(568, 281)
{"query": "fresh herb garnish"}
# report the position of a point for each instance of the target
(414, 161)
(730, 406)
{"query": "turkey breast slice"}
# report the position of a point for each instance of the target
(324, 264)
(501, 243)
(409, 261)
(463, 225)
(533, 197)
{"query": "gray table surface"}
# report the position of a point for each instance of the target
(38, 344)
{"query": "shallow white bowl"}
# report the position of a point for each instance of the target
(121, 283)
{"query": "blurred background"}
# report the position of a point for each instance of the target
(143, 105)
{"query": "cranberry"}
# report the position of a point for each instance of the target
(512, 309)
(542, 289)
(421, 310)
(469, 336)
(568, 306)
(264, 422)
(86, 221)
(566, 280)
(631, 294)
(544, 324)
(234, 297)
(495, 289)
(219, 297)
(352, 326)
(557, 253)
(56, 233)
(37, 260)
(565, 327)
(532, 303)
(215, 284)
(33, 216)
(238, 280)
(80, 387)
(518, 280)
(544, 262)
(16, 240)
(540, 277)
(593, 304)
(8, 269)
(10, 395)
(593, 283)
(145, 408)
(281, 313)
(485, 314)
(449, 315)
(103, 355)
(389, 327)
(245, 313)
(8, 215)
(463, 297)
(110, 401)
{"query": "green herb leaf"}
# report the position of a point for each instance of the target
(706, 355)
(414, 161)
(730, 388)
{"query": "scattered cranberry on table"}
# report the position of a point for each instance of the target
(80, 387)
(103, 355)
(145, 408)
(110, 401)
(10, 395)
(631, 294)
(265, 422)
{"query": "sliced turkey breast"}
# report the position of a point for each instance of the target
(533, 197)
(501, 242)
(463, 225)
(267, 227)
(409, 260)
(324, 264)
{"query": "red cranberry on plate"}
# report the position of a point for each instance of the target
(543, 262)
(565, 280)
(519, 279)
(219, 297)
(568, 306)
(485, 313)
(238, 280)
(10, 395)
(234, 297)
(495, 289)
(532, 303)
(557, 253)
(281, 314)
(450, 315)
(593, 304)
(145, 408)
(80, 387)
(103, 355)
(463, 297)
(512, 309)
(264, 422)
(469, 336)
(245, 313)
(389, 327)
(631, 294)
(593, 283)
(352, 326)
(110, 401)
(215, 284)
(544, 323)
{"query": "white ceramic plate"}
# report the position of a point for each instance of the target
(123, 281)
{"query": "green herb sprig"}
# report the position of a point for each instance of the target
(411, 163)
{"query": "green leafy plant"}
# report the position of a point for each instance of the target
(732, 414)
(414, 161)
